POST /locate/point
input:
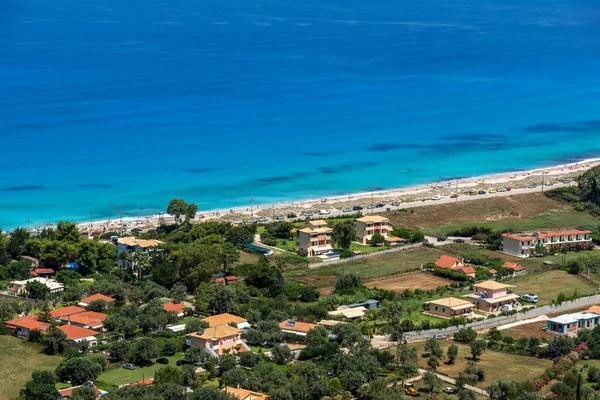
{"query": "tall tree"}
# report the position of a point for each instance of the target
(343, 234)
(177, 208)
(18, 242)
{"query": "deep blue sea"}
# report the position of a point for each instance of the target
(109, 104)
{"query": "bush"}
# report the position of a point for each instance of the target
(465, 335)
(348, 281)
(169, 348)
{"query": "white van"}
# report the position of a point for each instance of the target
(506, 308)
(324, 212)
(530, 298)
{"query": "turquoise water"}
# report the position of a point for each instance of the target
(106, 106)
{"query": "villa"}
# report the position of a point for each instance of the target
(95, 297)
(454, 264)
(315, 238)
(68, 392)
(218, 340)
(226, 319)
(570, 324)
(490, 296)
(78, 335)
(368, 226)
(20, 287)
(243, 394)
(296, 327)
(522, 244)
(176, 308)
(87, 320)
(450, 307)
(133, 245)
(64, 312)
(22, 326)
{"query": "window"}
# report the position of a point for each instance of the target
(436, 308)
(443, 309)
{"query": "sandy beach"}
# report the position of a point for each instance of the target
(414, 196)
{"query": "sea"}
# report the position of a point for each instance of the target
(110, 107)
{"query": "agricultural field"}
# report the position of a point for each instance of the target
(120, 376)
(518, 212)
(497, 365)
(548, 284)
(526, 331)
(19, 360)
(421, 280)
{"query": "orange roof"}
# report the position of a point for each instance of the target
(172, 307)
(513, 265)
(243, 394)
(593, 309)
(467, 269)
(216, 332)
(223, 319)
(27, 322)
(493, 271)
(68, 392)
(231, 278)
(89, 318)
(147, 381)
(447, 262)
(63, 312)
(297, 327)
(97, 296)
(74, 332)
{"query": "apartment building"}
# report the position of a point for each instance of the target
(315, 238)
(367, 226)
(522, 244)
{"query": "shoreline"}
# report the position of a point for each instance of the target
(408, 196)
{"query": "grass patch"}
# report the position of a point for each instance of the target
(548, 284)
(121, 376)
(497, 365)
(19, 360)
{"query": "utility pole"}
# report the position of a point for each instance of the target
(372, 195)
(251, 205)
(456, 190)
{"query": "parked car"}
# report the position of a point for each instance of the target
(532, 186)
(347, 209)
(506, 308)
(309, 214)
(530, 298)
(263, 219)
(502, 190)
(292, 215)
(450, 390)
(508, 189)
(251, 220)
(436, 198)
(459, 240)
(440, 337)
(481, 192)
(379, 205)
(129, 366)
(473, 193)
(371, 206)
(280, 217)
(396, 203)
(238, 221)
(162, 360)
(566, 181)
(324, 212)
(453, 196)
(550, 183)
(441, 239)
(179, 363)
(492, 190)
(356, 208)
(197, 363)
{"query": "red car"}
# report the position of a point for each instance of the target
(453, 196)
(508, 189)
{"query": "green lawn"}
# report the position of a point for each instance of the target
(19, 359)
(497, 365)
(548, 284)
(121, 376)
(558, 218)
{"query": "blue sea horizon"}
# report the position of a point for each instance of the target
(107, 106)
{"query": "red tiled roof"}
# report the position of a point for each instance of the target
(27, 322)
(467, 269)
(513, 265)
(63, 312)
(89, 318)
(97, 296)
(44, 270)
(297, 327)
(74, 332)
(231, 278)
(68, 392)
(447, 262)
(172, 307)
(493, 271)
(147, 381)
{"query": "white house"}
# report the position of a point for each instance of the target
(20, 287)
(132, 245)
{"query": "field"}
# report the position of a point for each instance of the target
(535, 329)
(19, 360)
(518, 212)
(422, 280)
(497, 365)
(547, 285)
(121, 376)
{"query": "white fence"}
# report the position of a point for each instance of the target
(361, 256)
(493, 322)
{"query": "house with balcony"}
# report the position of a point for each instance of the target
(218, 340)
(570, 324)
(226, 319)
(450, 307)
(490, 296)
(522, 244)
(455, 264)
(315, 238)
(22, 326)
(76, 334)
(134, 245)
(87, 320)
(366, 227)
(95, 297)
